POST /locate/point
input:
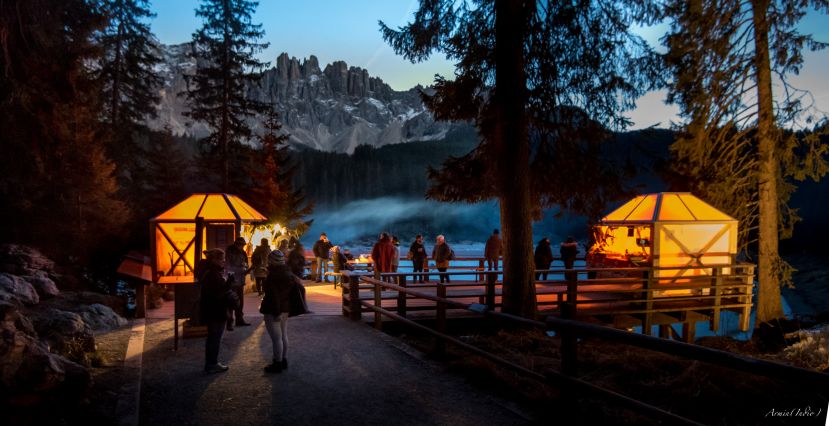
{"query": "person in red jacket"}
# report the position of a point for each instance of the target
(382, 254)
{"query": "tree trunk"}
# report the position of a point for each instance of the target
(769, 306)
(511, 156)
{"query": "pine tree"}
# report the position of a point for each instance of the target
(130, 82)
(540, 80)
(734, 147)
(272, 190)
(57, 188)
(224, 48)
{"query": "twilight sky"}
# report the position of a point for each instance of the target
(348, 30)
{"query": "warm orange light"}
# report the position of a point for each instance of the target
(670, 230)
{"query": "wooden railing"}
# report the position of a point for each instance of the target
(643, 297)
(568, 330)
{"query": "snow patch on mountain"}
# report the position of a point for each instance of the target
(334, 109)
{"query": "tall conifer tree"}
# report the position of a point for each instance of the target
(272, 190)
(57, 188)
(738, 146)
(542, 81)
(225, 48)
(130, 82)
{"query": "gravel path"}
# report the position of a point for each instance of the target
(340, 372)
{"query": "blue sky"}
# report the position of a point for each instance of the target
(348, 30)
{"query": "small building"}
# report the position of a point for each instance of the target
(199, 222)
(675, 233)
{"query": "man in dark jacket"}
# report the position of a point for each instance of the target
(417, 252)
(321, 248)
(214, 304)
(569, 249)
(492, 251)
(237, 264)
(381, 255)
(543, 257)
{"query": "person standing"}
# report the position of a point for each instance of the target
(259, 263)
(213, 306)
(569, 250)
(543, 257)
(492, 251)
(381, 255)
(442, 254)
(417, 253)
(296, 260)
(275, 307)
(321, 248)
(395, 258)
(237, 266)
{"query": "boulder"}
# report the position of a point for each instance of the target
(63, 331)
(19, 259)
(100, 317)
(26, 365)
(45, 287)
(17, 290)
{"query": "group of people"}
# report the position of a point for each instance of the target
(221, 275)
(544, 256)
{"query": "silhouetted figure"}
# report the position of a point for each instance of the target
(442, 254)
(492, 250)
(321, 248)
(395, 259)
(569, 249)
(543, 257)
(417, 253)
(259, 263)
(381, 255)
(237, 264)
(213, 306)
(275, 307)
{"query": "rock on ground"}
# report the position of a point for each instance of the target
(28, 368)
(17, 290)
(100, 317)
(61, 328)
(45, 286)
(23, 260)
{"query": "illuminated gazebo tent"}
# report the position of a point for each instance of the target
(217, 218)
(667, 229)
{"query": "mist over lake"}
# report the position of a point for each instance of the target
(357, 224)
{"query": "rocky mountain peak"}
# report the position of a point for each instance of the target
(334, 109)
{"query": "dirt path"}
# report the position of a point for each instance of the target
(340, 372)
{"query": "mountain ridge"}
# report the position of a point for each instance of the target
(334, 109)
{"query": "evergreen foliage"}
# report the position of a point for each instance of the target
(541, 81)
(225, 48)
(129, 80)
(740, 147)
(57, 188)
(272, 188)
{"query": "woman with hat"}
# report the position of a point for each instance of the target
(275, 307)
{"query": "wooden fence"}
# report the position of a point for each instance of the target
(363, 293)
(620, 297)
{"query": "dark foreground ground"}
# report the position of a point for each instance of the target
(340, 372)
